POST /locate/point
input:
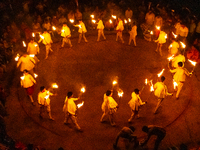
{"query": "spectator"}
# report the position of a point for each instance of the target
(128, 13)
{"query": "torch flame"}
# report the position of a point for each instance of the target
(158, 27)
(92, 16)
(63, 30)
(35, 75)
(166, 36)
(151, 86)
(83, 90)
(22, 77)
(151, 32)
(170, 58)
(24, 44)
(110, 21)
(174, 35)
(36, 45)
(192, 62)
(79, 26)
(17, 57)
(80, 105)
(183, 45)
(32, 55)
(120, 93)
(54, 85)
(71, 20)
(175, 84)
(159, 74)
(129, 20)
(33, 34)
(54, 28)
(146, 81)
(125, 21)
(114, 82)
(94, 21)
(42, 37)
(115, 17)
(47, 96)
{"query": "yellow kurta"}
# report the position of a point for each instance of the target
(26, 62)
(120, 26)
(70, 106)
(180, 74)
(33, 48)
(65, 32)
(160, 90)
(135, 102)
(27, 81)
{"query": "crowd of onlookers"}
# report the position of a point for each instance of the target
(20, 19)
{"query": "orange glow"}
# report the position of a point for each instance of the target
(129, 20)
(192, 62)
(83, 89)
(54, 28)
(32, 55)
(159, 74)
(92, 16)
(24, 44)
(174, 35)
(175, 84)
(42, 37)
(146, 81)
(17, 57)
(80, 105)
(94, 21)
(33, 34)
(125, 21)
(35, 75)
(183, 45)
(71, 20)
(110, 21)
(120, 93)
(170, 58)
(151, 32)
(54, 85)
(151, 86)
(115, 17)
(158, 27)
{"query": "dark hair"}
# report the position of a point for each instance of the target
(145, 129)
(42, 88)
(136, 91)
(162, 78)
(180, 64)
(69, 94)
(61, 148)
(25, 70)
(108, 93)
(132, 128)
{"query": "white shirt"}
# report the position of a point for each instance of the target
(111, 103)
(42, 99)
(70, 106)
(27, 81)
(100, 25)
(160, 90)
(33, 48)
(65, 32)
(135, 102)
(26, 62)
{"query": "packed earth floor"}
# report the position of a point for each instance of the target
(95, 65)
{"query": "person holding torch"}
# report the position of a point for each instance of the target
(82, 30)
(134, 104)
(66, 34)
(100, 28)
(70, 109)
(160, 91)
(44, 102)
(46, 40)
(179, 77)
(161, 40)
(109, 106)
(119, 29)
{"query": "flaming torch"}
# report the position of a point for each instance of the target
(175, 36)
(110, 21)
(120, 94)
(17, 57)
(54, 85)
(146, 82)
(193, 63)
(22, 77)
(183, 45)
(94, 21)
(33, 34)
(125, 21)
(92, 16)
(151, 32)
(151, 86)
(42, 37)
(32, 55)
(24, 44)
(71, 20)
(80, 104)
(165, 36)
(114, 17)
(35, 75)
(47, 96)
(159, 74)
(170, 58)
(158, 27)
(53, 28)
(129, 20)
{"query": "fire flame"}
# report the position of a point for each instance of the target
(151, 32)
(54, 85)
(22, 77)
(17, 57)
(115, 17)
(71, 20)
(32, 55)
(146, 81)
(166, 36)
(42, 37)
(83, 90)
(158, 27)
(175, 84)
(92, 16)
(24, 44)
(125, 21)
(170, 58)
(120, 93)
(129, 20)
(80, 105)
(47, 96)
(159, 74)
(33, 34)
(114, 82)
(79, 26)
(174, 35)
(183, 45)
(94, 21)
(192, 62)
(35, 75)
(110, 21)
(36, 45)
(151, 86)
(63, 30)
(54, 28)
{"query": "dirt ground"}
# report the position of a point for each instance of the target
(95, 65)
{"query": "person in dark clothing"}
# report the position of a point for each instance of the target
(154, 130)
(127, 133)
